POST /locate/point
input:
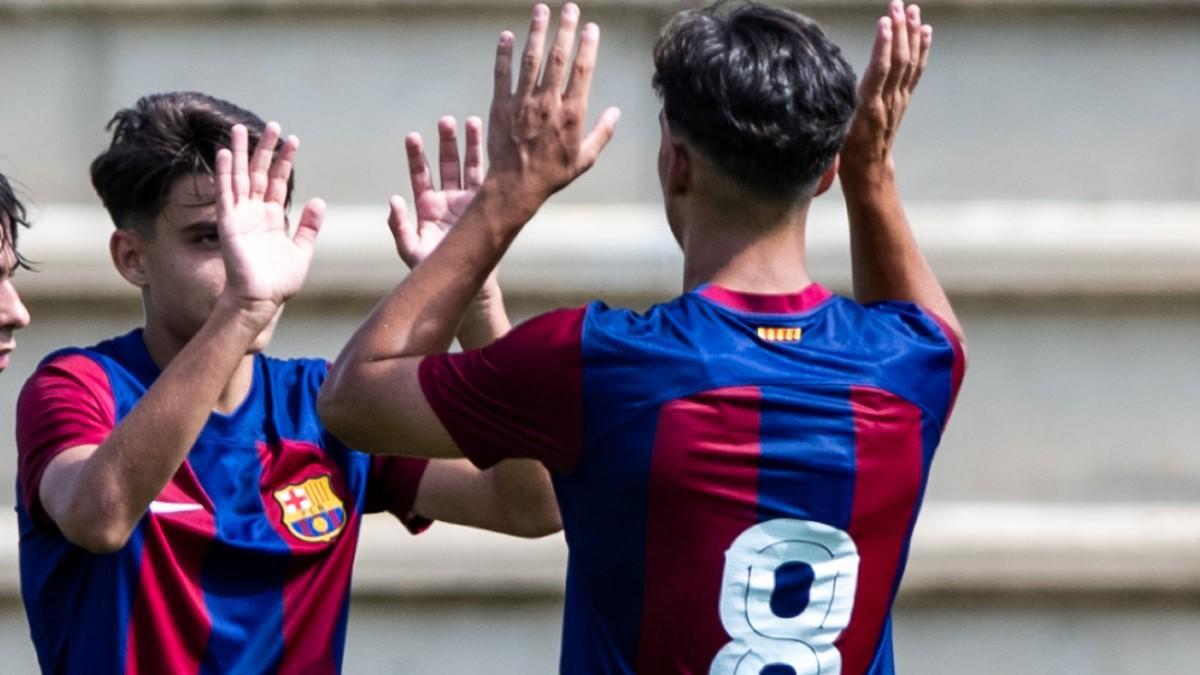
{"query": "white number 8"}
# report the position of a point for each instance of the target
(761, 637)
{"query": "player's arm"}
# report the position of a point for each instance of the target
(888, 265)
(96, 494)
(513, 497)
(436, 212)
(536, 146)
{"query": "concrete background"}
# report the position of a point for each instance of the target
(1051, 164)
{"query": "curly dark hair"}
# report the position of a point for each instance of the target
(162, 138)
(760, 91)
(12, 212)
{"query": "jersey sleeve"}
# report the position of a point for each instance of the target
(392, 484)
(939, 357)
(67, 403)
(520, 397)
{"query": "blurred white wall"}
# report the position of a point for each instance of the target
(1051, 166)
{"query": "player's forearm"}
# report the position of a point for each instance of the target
(887, 262)
(486, 319)
(421, 315)
(526, 496)
(363, 399)
(112, 488)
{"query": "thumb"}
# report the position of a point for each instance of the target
(598, 137)
(311, 220)
(404, 232)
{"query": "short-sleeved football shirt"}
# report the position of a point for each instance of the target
(739, 475)
(241, 565)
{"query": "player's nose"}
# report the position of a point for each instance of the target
(13, 313)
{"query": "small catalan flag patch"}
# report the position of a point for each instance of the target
(779, 334)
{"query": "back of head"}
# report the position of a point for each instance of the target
(12, 216)
(162, 138)
(761, 91)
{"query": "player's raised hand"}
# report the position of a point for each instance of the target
(537, 143)
(436, 210)
(898, 60)
(264, 265)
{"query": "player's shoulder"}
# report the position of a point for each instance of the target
(302, 367)
(296, 379)
(600, 318)
(108, 363)
(890, 320)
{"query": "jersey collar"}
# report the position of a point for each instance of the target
(803, 300)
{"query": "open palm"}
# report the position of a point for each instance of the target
(264, 265)
(437, 210)
(898, 60)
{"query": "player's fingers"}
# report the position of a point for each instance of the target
(560, 51)
(311, 219)
(418, 168)
(899, 56)
(281, 171)
(502, 71)
(900, 28)
(580, 84)
(473, 165)
(926, 43)
(597, 138)
(914, 45)
(397, 213)
(238, 140)
(531, 58)
(260, 161)
(880, 65)
(225, 197)
(404, 232)
(449, 166)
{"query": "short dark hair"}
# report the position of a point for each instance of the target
(12, 213)
(162, 138)
(761, 91)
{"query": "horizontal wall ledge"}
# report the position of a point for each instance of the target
(978, 549)
(656, 6)
(977, 248)
(959, 548)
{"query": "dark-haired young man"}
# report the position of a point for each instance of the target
(738, 470)
(182, 509)
(13, 315)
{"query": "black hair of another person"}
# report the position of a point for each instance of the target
(162, 138)
(762, 92)
(13, 216)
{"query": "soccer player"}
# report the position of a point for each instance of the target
(13, 315)
(182, 509)
(739, 469)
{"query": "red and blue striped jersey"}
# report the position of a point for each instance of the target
(739, 475)
(241, 565)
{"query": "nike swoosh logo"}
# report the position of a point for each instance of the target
(172, 507)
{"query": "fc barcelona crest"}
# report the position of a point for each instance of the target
(311, 510)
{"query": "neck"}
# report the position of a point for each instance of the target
(164, 347)
(751, 250)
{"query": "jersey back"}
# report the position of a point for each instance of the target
(741, 477)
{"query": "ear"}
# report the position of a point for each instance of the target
(127, 250)
(829, 176)
(677, 179)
